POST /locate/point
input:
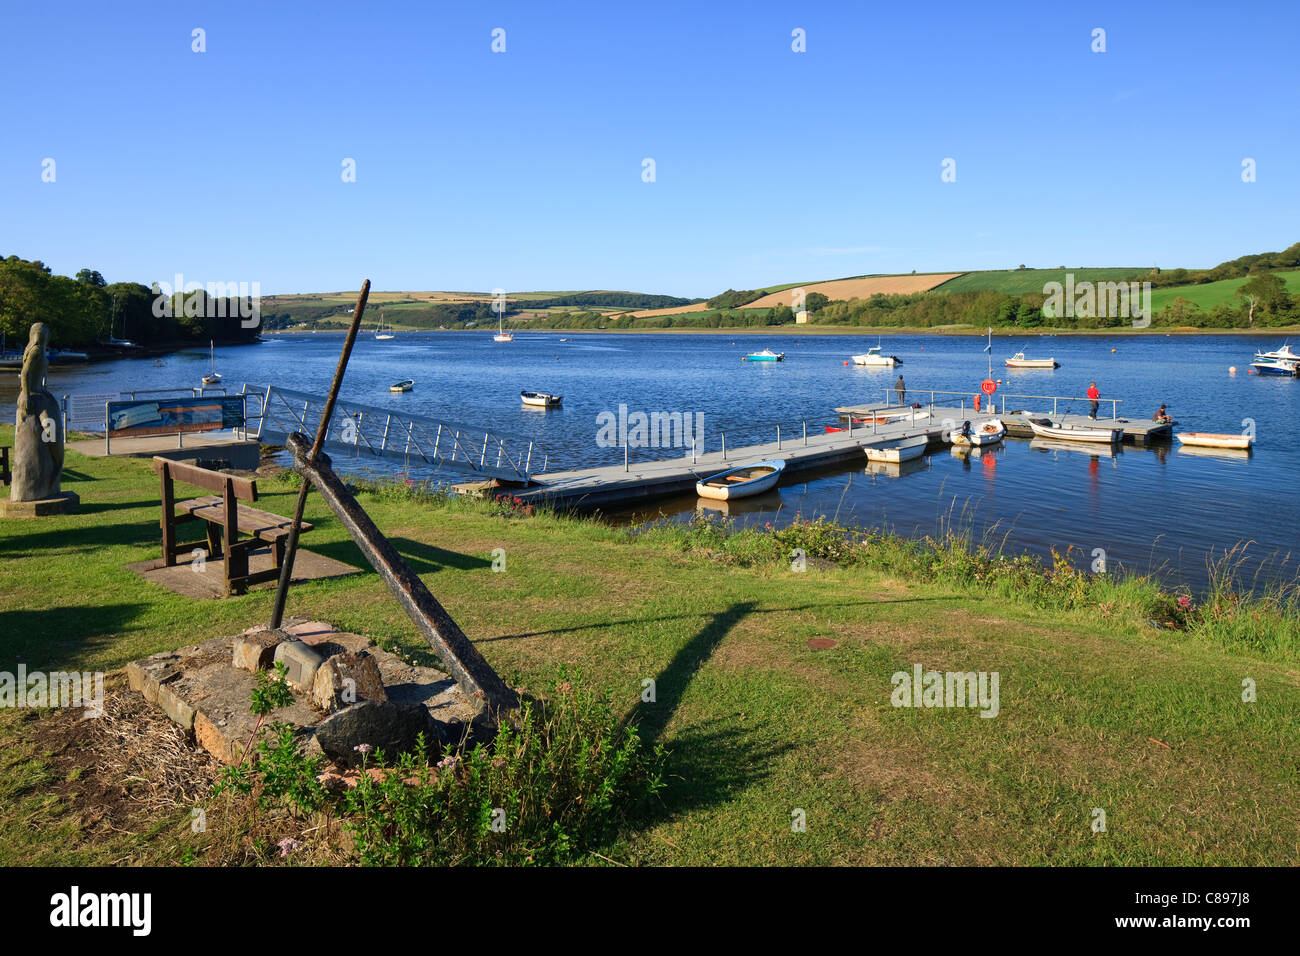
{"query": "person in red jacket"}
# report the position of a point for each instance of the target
(1094, 396)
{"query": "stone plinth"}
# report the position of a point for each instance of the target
(62, 503)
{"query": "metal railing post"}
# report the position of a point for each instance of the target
(437, 438)
(805, 432)
(483, 457)
(528, 465)
(778, 437)
(724, 445)
(625, 453)
(383, 442)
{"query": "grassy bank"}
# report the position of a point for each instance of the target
(1113, 695)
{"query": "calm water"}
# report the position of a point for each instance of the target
(1150, 509)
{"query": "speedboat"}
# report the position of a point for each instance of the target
(1211, 440)
(1264, 365)
(767, 355)
(988, 432)
(1284, 354)
(741, 482)
(541, 399)
(403, 386)
(873, 356)
(1019, 361)
(1046, 428)
(899, 451)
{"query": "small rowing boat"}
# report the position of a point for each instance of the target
(741, 482)
(1211, 440)
(767, 355)
(988, 432)
(403, 386)
(900, 451)
(1063, 432)
(541, 399)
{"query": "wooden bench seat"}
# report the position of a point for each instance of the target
(225, 518)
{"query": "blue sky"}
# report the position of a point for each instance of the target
(523, 169)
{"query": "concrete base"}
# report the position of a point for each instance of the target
(188, 581)
(66, 502)
(209, 449)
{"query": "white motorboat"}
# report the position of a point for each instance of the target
(1275, 366)
(1284, 354)
(742, 482)
(1212, 440)
(1063, 432)
(1019, 361)
(899, 451)
(767, 355)
(873, 356)
(989, 432)
(541, 399)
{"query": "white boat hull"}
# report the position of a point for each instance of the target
(878, 361)
(1032, 363)
(733, 484)
(1208, 440)
(540, 399)
(1077, 433)
(905, 450)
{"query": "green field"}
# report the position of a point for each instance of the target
(1099, 709)
(1212, 294)
(1022, 281)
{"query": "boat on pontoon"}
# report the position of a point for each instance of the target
(899, 451)
(767, 355)
(988, 432)
(1019, 361)
(541, 399)
(742, 482)
(1046, 428)
(1212, 440)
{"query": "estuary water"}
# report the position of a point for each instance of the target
(1162, 509)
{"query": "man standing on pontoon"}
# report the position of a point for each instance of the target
(901, 389)
(1094, 396)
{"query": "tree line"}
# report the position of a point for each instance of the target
(84, 309)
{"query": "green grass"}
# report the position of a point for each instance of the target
(1021, 281)
(758, 724)
(1212, 294)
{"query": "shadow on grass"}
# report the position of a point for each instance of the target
(81, 538)
(423, 558)
(56, 637)
(709, 762)
(601, 625)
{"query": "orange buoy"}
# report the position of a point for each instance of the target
(846, 363)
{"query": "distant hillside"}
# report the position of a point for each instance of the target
(1026, 281)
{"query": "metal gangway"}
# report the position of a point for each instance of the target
(358, 431)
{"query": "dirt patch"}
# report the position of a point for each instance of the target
(124, 771)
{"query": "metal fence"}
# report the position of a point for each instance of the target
(358, 431)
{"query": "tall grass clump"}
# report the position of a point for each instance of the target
(558, 780)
